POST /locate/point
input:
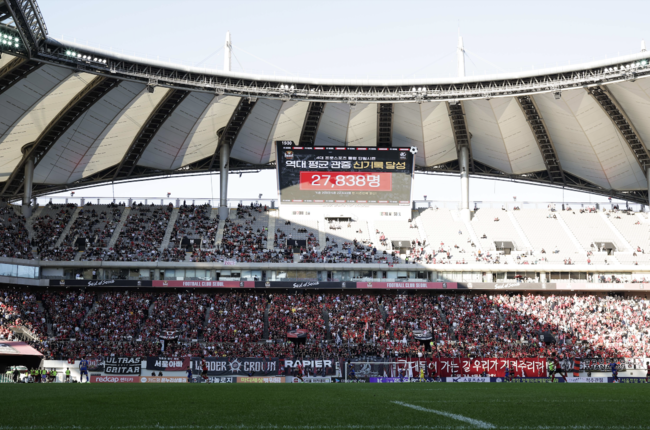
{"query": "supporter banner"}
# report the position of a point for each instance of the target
(451, 367)
(238, 366)
(98, 283)
(298, 334)
(168, 364)
(204, 284)
(261, 379)
(163, 379)
(95, 364)
(533, 286)
(306, 285)
(122, 365)
(114, 379)
(422, 334)
(314, 366)
(407, 285)
(580, 286)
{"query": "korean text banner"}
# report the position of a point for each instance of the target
(344, 175)
(495, 367)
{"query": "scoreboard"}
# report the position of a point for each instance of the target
(344, 175)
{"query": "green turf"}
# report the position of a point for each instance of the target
(344, 406)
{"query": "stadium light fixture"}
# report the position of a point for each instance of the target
(557, 95)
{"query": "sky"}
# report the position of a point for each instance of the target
(353, 39)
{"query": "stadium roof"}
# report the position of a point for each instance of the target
(87, 117)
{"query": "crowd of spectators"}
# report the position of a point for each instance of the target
(65, 311)
(180, 315)
(117, 317)
(140, 238)
(194, 222)
(20, 308)
(392, 325)
(294, 312)
(14, 237)
(236, 318)
(48, 228)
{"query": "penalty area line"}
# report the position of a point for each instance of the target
(472, 421)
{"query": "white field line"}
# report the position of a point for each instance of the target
(472, 421)
(325, 427)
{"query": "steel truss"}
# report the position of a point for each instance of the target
(619, 118)
(543, 139)
(310, 126)
(385, 125)
(26, 17)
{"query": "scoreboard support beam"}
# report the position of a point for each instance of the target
(224, 163)
(464, 183)
(27, 187)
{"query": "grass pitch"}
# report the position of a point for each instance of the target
(324, 406)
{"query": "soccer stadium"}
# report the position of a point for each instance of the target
(344, 302)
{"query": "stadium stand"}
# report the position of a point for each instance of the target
(233, 323)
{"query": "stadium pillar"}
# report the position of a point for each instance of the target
(224, 158)
(464, 183)
(27, 188)
(647, 175)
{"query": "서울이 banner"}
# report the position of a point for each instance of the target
(204, 284)
(407, 285)
(496, 367)
(168, 364)
(218, 366)
(122, 365)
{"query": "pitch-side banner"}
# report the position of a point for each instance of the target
(168, 364)
(495, 367)
(238, 366)
(122, 365)
(407, 285)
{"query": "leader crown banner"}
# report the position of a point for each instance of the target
(239, 366)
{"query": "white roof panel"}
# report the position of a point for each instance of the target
(439, 143)
(634, 98)
(573, 147)
(488, 145)
(203, 140)
(407, 129)
(522, 149)
(171, 136)
(254, 134)
(333, 125)
(362, 128)
(111, 146)
(28, 127)
(66, 160)
(287, 127)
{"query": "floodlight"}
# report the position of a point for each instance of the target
(557, 95)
